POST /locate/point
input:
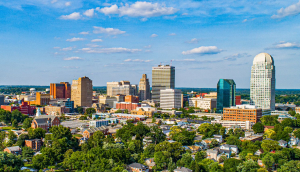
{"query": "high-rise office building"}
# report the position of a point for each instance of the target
(82, 92)
(122, 87)
(170, 99)
(262, 83)
(144, 88)
(163, 77)
(60, 91)
(226, 94)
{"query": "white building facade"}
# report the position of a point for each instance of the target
(203, 103)
(262, 83)
(170, 98)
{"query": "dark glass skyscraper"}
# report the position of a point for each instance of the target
(226, 94)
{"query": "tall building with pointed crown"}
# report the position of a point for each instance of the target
(144, 88)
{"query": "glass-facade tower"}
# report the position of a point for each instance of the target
(163, 77)
(226, 94)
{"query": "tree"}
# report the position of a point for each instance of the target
(258, 127)
(90, 111)
(269, 120)
(37, 133)
(230, 165)
(156, 134)
(126, 111)
(268, 145)
(297, 133)
(175, 149)
(21, 140)
(161, 159)
(288, 129)
(27, 153)
(27, 123)
(268, 160)
(96, 140)
(171, 166)
(248, 166)
(270, 134)
(18, 116)
(200, 156)
(232, 140)
(291, 166)
(5, 116)
(10, 162)
(59, 132)
(185, 161)
(287, 122)
(79, 109)
(292, 112)
(15, 124)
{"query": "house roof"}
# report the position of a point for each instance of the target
(94, 129)
(14, 148)
(282, 142)
(183, 169)
(42, 119)
(137, 165)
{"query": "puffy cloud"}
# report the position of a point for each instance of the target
(67, 4)
(144, 19)
(67, 49)
(137, 60)
(89, 13)
(172, 34)
(288, 11)
(245, 20)
(109, 31)
(285, 45)
(111, 50)
(75, 39)
(96, 40)
(53, 1)
(148, 46)
(93, 45)
(154, 35)
(73, 16)
(203, 50)
(139, 9)
(193, 41)
(73, 58)
(84, 33)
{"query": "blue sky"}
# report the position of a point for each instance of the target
(45, 41)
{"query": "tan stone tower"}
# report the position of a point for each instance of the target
(144, 88)
(82, 92)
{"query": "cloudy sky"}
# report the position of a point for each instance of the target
(43, 41)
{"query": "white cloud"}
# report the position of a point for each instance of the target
(193, 41)
(67, 49)
(71, 67)
(245, 20)
(170, 17)
(148, 46)
(93, 45)
(288, 11)
(236, 56)
(112, 50)
(109, 31)
(53, 1)
(203, 50)
(73, 58)
(144, 19)
(75, 39)
(184, 14)
(73, 16)
(86, 49)
(84, 33)
(283, 45)
(154, 35)
(139, 9)
(67, 4)
(89, 13)
(56, 47)
(97, 40)
(137, 60)
(172, 34)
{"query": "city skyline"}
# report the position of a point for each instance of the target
(61, 40)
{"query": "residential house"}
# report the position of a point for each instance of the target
(259, 152)
(212, 154)
(137, 167)
(150, 163)
(182, 169)
(219, 138)
(232, 148)
(282, 143)
(194, 148)
(34, 144)
(16, 150)
(268, 127)
(293, 141)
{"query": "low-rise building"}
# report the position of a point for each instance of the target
(243, 124)
(34, 144)
(16, 150)
(297, 109)
(282, 143)
(108, 100)
(215, 116)
(171, 99)
(242, 113)
(44, 121)
(129, 116)
(89, 132)
(203, 103)
(24, 108)
(253, 138)
(56, 110)
(183, 169)
(127, 105)
(99, 123)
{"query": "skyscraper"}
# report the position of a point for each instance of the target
(225, 93)
(163, 77)
(170, 99)
(82, 92)
(262, 83)
(60, 91)
(122, 87)
(144, 88)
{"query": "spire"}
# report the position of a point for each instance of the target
(38, 112)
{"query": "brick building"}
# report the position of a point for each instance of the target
(56, 110)
(89, 132)
(40, 99)
(23, 108)
(34, 144)
(242, 113)
(60, 91)
(132, 99)
(16, 150)
(128, 106)
(45, 122)
(238, 100)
